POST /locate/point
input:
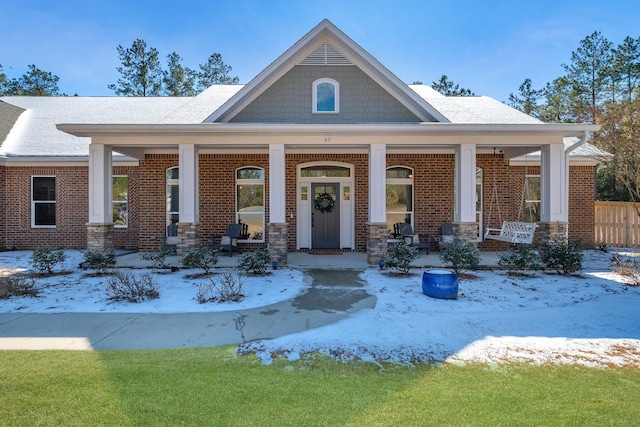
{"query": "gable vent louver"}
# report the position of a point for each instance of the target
(325, 54)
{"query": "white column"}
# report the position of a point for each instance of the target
(554, 184)
(100, 184)
(188, 163)
(377, 181)
(465, 182)
(277, 193)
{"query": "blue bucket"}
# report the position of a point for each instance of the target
(440, 283)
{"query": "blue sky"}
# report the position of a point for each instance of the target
(487, 46)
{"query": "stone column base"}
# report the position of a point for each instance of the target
(377, 236)
(551, 232)
(99, 237)
(188, 237)
(466, 230)
(277, 246)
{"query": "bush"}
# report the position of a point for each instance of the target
(565, 257)
(520, 257)
(227, 288)
(100, 261)
(126, 286)
(18, 286)
(255, 262)
(44, 259)
(202, 256)
(627, 268)
(460, 253)
(157, 259)
(401, 257)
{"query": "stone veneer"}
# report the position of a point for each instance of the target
(377, 236)
(99, 237)
(466, 230)
(550, 232)
(277, 246)
(188, 237)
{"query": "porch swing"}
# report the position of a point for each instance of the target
(511, 231)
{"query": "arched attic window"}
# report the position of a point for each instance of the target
(326, 96)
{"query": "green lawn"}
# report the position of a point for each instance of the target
(217, 387)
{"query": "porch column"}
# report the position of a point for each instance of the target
(277, 205)
(188, 227)
(100, 225)
(377, 233)
(464, 221)
(554, 191)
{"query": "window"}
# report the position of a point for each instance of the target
(326, 96)
(250, 201)
(325, 172)
(119, 203)
(399, 189)
(173, 200)
(43, 201)
(531, 198)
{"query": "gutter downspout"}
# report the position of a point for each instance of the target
(585, 135)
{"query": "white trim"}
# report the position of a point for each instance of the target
(242, 181)
(402, 181)
(377, 181)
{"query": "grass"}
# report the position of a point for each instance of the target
(217, 387)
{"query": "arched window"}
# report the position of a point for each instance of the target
(250, 200)
(173, 201)
(399, 191)
(326, 96)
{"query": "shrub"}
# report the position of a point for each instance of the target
(44, 259)
(100, 261)
(255, 262)
(564, 256)
(520, 257)
(228, 287)
(460, 253)
(202, 256)
(126, 286)
(627, 268)
(18, 286)
(401, 257)
(157, 259)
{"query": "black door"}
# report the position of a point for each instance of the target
(325, 216)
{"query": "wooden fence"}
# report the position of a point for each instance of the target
(618, 224)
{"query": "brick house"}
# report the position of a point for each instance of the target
(324, 149)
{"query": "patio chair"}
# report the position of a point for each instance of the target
(229, 241)
(404, 231)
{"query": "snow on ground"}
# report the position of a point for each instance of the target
(591, 319)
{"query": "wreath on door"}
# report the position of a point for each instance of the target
(324, 202)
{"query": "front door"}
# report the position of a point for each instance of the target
(325, 216)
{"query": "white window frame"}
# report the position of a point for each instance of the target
(240, 182)
(527, 201)
(114, 202)
(336, 94)
(169, 183)
(37, 202)
(402, 181)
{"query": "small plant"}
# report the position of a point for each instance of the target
(226, 287)
(157, 259)
(44, 259)
(627, 268)
(520, 257)
(100, 261)
(564, 256)
(255, 262)
(602, 246)
(401, 257)
(203, 257)
(18, 286)
(126, 286)
(460, 253)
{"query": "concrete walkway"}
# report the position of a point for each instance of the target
(332, 295)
